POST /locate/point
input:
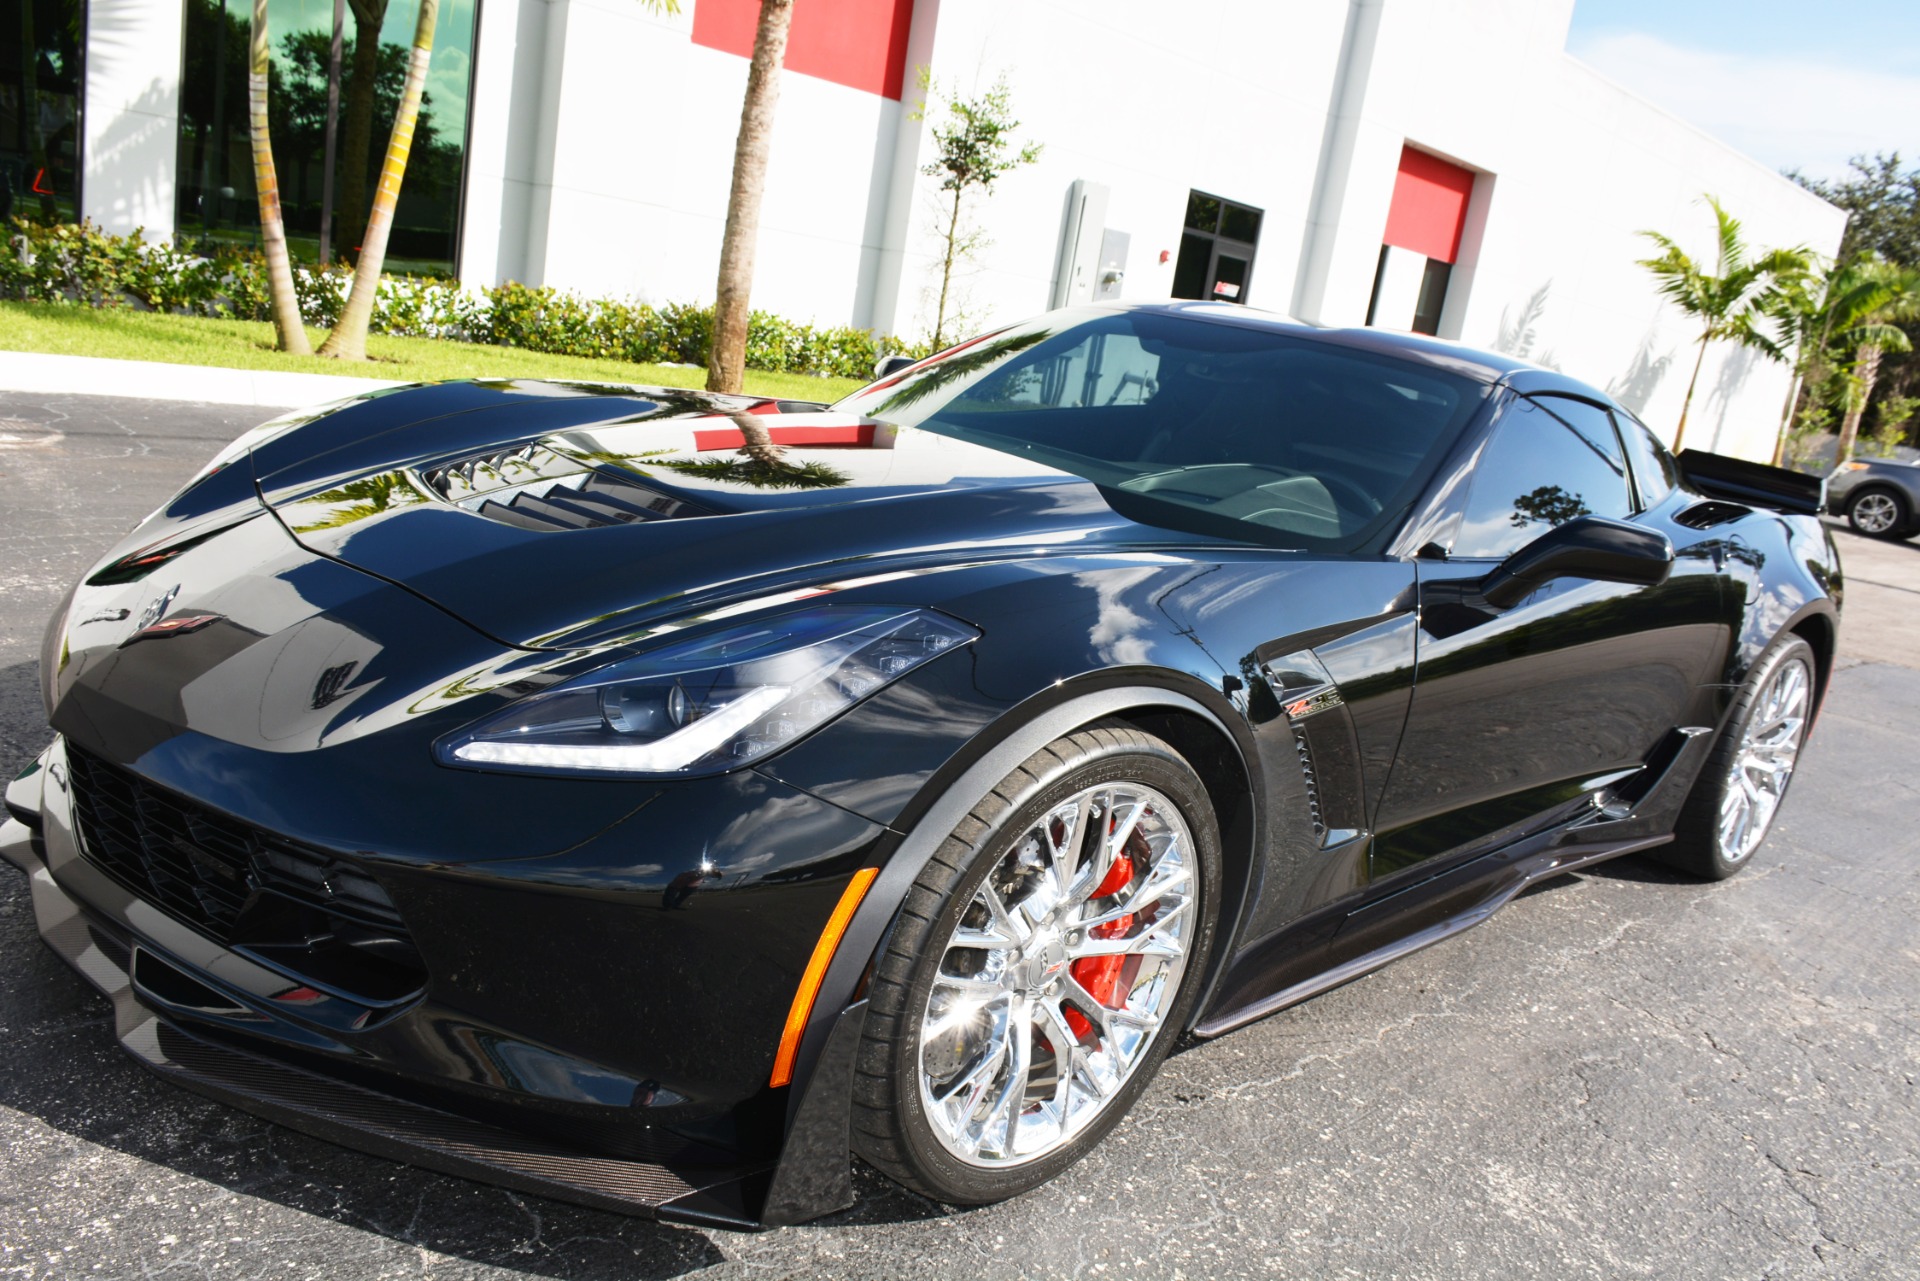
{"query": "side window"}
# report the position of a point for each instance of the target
(1542, 469)
(1654, 469)
(1590, 422)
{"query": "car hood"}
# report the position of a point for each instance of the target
(554, 515)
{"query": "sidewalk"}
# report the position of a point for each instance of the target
(150, 380)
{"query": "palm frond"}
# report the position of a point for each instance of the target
(1886, 337)
(1733, 252)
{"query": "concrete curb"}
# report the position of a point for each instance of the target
(44, 374)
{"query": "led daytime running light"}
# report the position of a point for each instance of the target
(711, 700)
(674, 752)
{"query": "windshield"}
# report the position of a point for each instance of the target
(1216, 428)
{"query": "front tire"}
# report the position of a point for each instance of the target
(1745, 779)
(1878, 513)
(1039, 970)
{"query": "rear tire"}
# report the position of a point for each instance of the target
(1041, 967)
(1745, 779)
(1879, 512)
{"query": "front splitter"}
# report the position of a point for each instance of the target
(363, 1119)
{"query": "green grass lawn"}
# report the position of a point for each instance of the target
(243, 344)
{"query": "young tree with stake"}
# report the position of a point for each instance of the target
(974, 149)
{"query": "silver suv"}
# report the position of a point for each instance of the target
(1878, 496)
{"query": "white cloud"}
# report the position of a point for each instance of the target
(1782, 111)
(447, 74)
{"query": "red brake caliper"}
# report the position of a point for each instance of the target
(1102, 976)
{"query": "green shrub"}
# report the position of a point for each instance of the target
(84, 266)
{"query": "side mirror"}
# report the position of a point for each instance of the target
(1612, 551)
(888, 366)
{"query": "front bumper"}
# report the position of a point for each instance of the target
(361, 1118)
(206, 1017)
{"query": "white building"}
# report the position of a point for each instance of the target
(1414, 163)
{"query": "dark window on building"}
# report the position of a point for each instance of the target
(214, 174)
(1433, 296)
(1216, 250)
(40, 112)
(1655, 470)
(1538, 471)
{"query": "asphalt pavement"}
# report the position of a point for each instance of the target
(1623, 1074)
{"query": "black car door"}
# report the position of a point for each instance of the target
(1521, 716)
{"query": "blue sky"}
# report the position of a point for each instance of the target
(1791, 82)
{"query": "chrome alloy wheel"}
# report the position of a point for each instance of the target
(1764, 764)
(1874, 513)
(1058, 975)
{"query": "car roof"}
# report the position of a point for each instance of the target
(1437, 353)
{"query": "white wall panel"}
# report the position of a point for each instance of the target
(131, 117)
(602, 144)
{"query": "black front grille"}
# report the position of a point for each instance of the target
(207, 868)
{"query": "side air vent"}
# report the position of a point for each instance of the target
(588, 501)
(1313, 785)
(1710, 513)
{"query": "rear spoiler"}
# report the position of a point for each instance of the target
(1755, 484)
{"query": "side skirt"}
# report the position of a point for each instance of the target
(1499, 876)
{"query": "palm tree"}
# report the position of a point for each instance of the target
(726, 361)
(348, 341)
(292, 334)
(1824, 318)
(1890, 293)
(368, 17)
(1727, 302)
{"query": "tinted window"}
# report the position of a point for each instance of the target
(1592, 423)
(1654, 469)
(1245, 432)
(1541, 470)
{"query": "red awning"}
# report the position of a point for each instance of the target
(1429, 205)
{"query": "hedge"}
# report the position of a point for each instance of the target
(78, 264)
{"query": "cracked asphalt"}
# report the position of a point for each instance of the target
(1623, 1074)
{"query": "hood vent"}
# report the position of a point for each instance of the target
(590, 501)
(536, 487)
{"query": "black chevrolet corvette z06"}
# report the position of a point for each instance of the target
(651, 799)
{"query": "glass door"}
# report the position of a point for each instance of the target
(1216, 250)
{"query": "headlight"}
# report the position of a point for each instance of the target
(712, 702)
(1854, 465)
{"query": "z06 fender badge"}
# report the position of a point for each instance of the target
(1318, 701)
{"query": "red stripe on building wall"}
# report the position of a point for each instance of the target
(1429, 207)
(858, 43)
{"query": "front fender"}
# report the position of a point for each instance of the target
(813, 1176)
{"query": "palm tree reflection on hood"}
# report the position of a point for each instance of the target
(760, 464)
(356, 500)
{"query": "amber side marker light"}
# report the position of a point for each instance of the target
(816, 973)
